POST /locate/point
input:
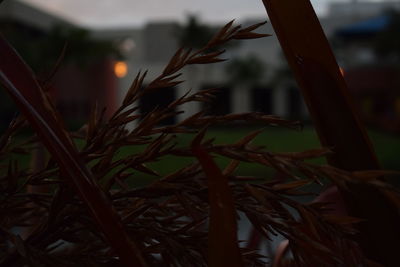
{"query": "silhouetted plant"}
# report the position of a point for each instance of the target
(185, 218)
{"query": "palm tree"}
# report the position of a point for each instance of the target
(246, 70)
(244, 73)
(193, 34)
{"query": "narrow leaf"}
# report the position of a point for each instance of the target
(291, 185)
(223, 249)
(341, 219)
(338, 126)
(372, 175)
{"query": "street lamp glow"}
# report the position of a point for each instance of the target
(120, 69)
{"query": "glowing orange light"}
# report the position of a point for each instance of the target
(342, 71)
(120, 69)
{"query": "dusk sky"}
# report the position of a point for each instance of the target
(109, 13)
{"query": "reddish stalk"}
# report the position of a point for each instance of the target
(18, 80)
(223, 249)
(337, 124)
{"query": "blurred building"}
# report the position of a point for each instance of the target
(368, 50)
(150, 48)
(276, 93)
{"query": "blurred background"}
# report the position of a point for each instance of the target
(107, 42)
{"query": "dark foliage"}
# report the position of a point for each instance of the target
(179, 218)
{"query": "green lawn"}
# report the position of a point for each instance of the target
(386, 145)
(275, 140)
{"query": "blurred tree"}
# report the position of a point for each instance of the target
(41, 49)
(244, 74)
(193, 33)
(246, 70)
